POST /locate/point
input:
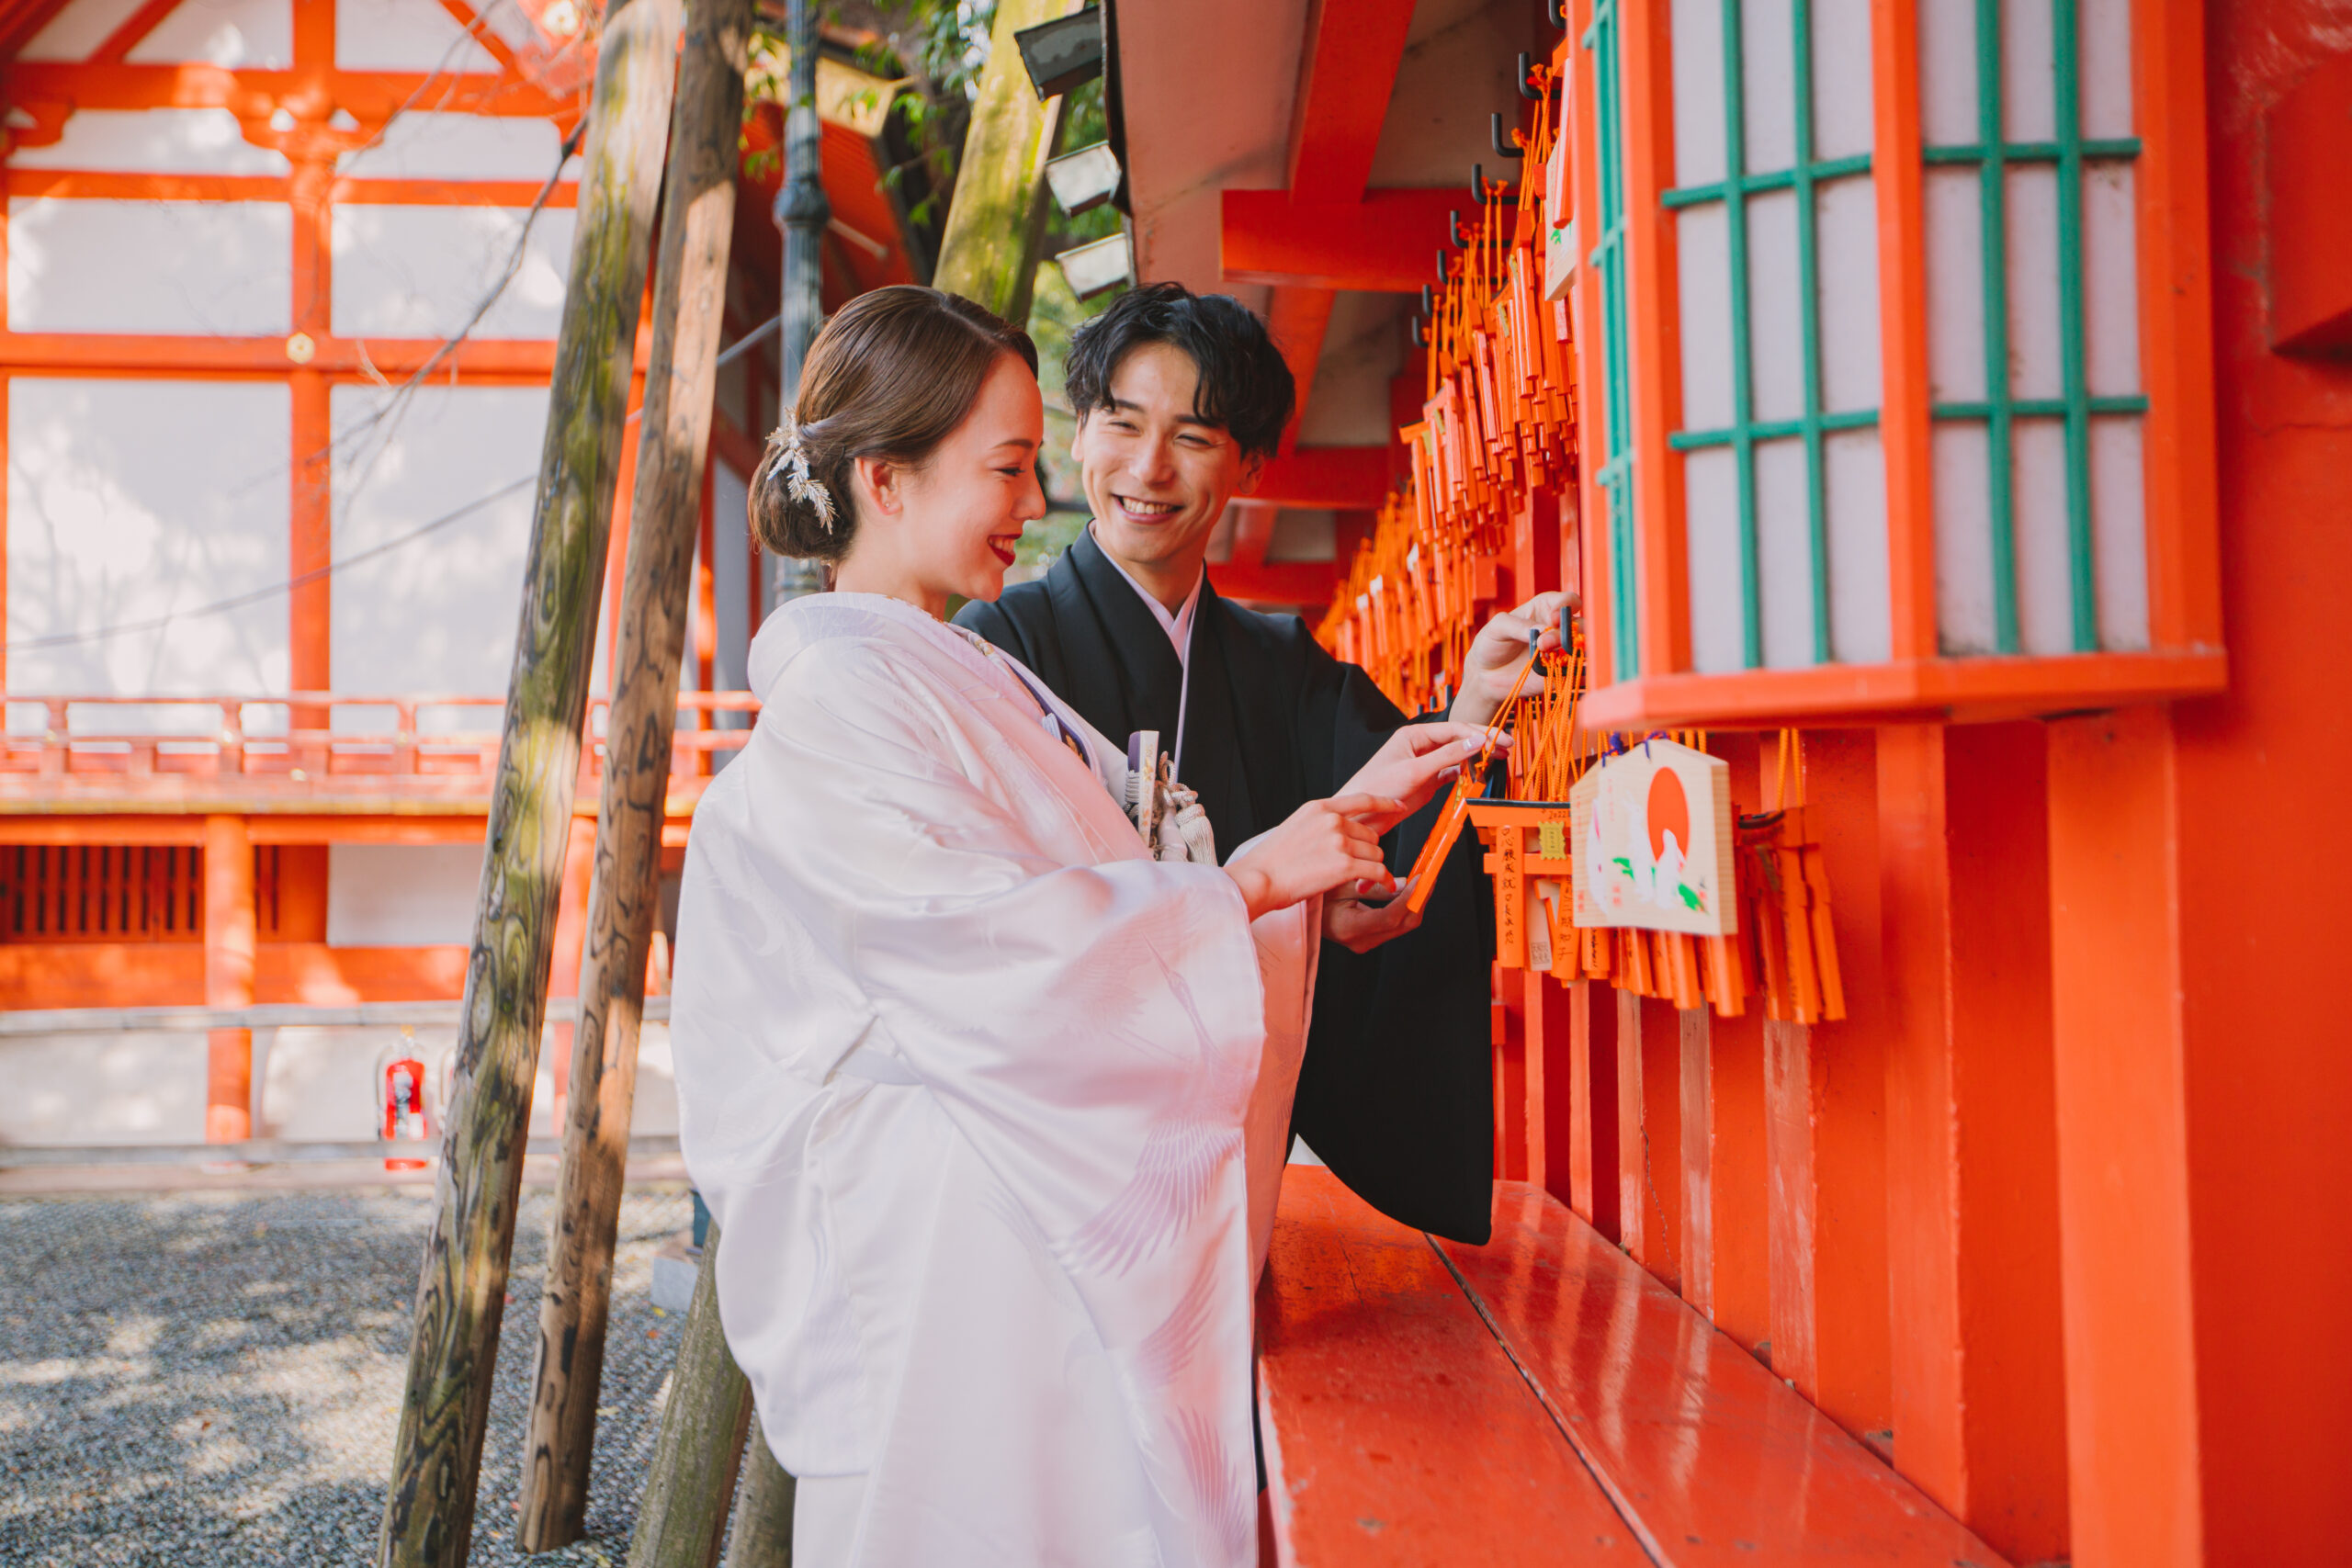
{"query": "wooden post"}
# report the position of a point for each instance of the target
(228, 955)
(690, 286)
(437, 1460)
(996, 223)
(764, 1517)
(683, 1518)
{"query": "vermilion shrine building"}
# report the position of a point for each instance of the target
(1959, 384)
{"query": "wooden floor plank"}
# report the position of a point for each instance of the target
(1710, 1456)
(1398, 1430)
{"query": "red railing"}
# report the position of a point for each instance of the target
(444, 742)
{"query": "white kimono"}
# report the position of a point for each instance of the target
(990, 1108)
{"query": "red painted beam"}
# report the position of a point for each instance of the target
(1347, 72)
(1387, 243)
(2310, 153)
(1285, 583)
(1338, 477)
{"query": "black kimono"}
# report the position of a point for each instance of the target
(1397, 1091)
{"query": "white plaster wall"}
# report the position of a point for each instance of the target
(74, 32)
(402, 894)
(253, 35)
(1459, 57)
(1303, 534)
(437, 615)
(404, 34)
(143, 1088)
(428, 145)
(1363, 348)
(100, 265)
(421, 271)
(129, 502)
(167, 142)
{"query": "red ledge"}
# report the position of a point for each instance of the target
(1926, 690)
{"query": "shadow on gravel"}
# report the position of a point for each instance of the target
(215, 1378)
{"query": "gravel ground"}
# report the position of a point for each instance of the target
(213, 1379)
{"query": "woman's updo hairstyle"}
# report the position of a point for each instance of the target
(891, 377)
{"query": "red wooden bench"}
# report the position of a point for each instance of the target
(1541, 1400)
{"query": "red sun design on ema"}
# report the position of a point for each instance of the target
(1669, 810)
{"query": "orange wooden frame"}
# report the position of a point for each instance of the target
(2181, 483)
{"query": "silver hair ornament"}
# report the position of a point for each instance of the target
(810, 493)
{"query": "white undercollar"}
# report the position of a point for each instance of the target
(1179, 627)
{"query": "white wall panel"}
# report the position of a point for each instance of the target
(421, 271)
(1854, 475)
(2111, 281)
(2045, 591)
(423, 145)
(1846, 254)
(133, 500)
(74, 32)
(437, 615)
(1768, 84)
(402, 894)
(1965, 617)
(1702, 249)
(1698, 51)
(1718, 604)
(1784, 554)
(162, 141)
(218, 268)
(1955, 234)
(1775, 317)
(1841, 78)
(2029, 72)
(1948, 73)
(1363, 348)
(403, 35)
(2036, 350)
(2106, 66)
(251, 35)
(2120, 533)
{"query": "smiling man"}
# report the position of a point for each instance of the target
(1181, 399)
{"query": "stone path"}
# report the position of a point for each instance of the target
(214, 1379)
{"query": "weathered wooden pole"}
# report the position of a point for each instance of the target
(681, 1518)
(764, 1516)
(689, 293)
(996, 221)
(437, 1460)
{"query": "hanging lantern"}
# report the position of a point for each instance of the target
(1892, 319)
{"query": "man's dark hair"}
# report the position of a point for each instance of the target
(1244, 385)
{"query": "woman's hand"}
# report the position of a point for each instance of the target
(1324, 845)
(1415, 762)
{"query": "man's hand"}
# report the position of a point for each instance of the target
(1360, 927)
(1498, 650)
(1415, 762)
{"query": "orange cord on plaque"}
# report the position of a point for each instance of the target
(1467, 786)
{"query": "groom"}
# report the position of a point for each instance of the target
(1181, 399)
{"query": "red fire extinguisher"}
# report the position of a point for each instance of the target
(403, 1103)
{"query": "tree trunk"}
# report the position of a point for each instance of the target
(437, 1460)
(996, 219)
(683, 1517)
(690, 288)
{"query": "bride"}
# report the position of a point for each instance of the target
(989, 1105)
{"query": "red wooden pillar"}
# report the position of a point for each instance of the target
(2122, 1088)
(1592, 1123)
(229, 948)
(1649, 1134)
(1979, 1370)
(1725, 1273)
(1824, 1089)
(1552, 1080)
(1507, 1010)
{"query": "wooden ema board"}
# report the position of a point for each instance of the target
(1653, 834)
(1528, 859)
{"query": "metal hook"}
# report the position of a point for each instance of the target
(1454, 228)
(1420, 331)
(1495, 134)
(1558, 11)
(1428, 304)
(1478, 181)
(1527, 69)
(1441, 263)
